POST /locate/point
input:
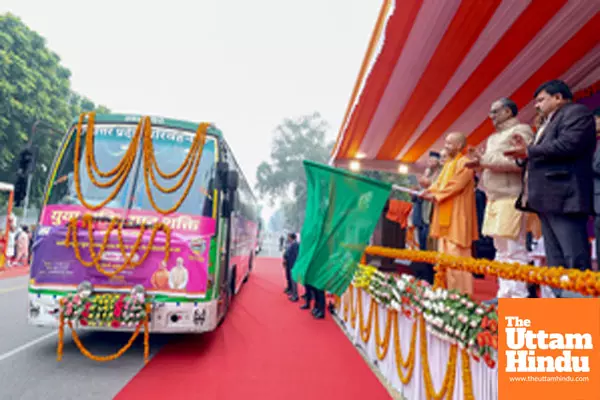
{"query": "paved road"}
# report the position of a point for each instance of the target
(28, 366)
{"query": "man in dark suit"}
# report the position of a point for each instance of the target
(559, 176)
(289, 259)
(597, 185)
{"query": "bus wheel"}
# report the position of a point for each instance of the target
(229, 291)
(250, 265)
(232, 282)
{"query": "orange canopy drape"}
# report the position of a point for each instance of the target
(398, 212)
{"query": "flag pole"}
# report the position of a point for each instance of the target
(403, 189)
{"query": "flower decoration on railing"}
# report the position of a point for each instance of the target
(105, 310)
(451, 316)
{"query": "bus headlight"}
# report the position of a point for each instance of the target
(85, 289)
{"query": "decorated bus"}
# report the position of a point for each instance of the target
(147, 223)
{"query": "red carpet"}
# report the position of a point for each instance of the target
(267, 348)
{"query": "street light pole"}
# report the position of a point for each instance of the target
(26, 200)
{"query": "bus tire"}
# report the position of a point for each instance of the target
(250, 265)
(230, 290)
(232, 281)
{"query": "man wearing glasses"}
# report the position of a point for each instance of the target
(501, 181)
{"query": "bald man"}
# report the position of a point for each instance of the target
(454, 221)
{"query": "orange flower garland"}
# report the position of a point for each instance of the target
(72, 241)
(61, 332)
(365, 329)
(447, 390)
(408, 364)
(467, 377)
(382, 344)
(584, 282)
(150, 164)
(119, 174)
(401, 363)
(110, 357)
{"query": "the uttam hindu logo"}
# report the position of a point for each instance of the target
(523, 343)
(548, 349)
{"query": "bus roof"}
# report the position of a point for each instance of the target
(167, 122)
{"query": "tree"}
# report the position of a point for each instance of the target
(277, 221)
(34, 86)
(283, 177)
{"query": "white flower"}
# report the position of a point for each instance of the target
(474, 324)
(479, 311)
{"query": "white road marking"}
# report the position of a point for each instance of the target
(12, 289)
(26, 346)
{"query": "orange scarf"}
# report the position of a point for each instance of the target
(445, 207)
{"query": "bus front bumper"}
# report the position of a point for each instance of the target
(165, 317)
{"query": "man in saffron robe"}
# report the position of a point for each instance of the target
(160, 277)
(454, 221)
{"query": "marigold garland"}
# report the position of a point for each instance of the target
(72, 240)
(150, 164)
(382, 344)
(191, 159)
(110, 357)
(61, 332)
(447, 389)
(353, 307)
(467, 377)
(584, 282)
(365, 330)
(409, 363)
(119, 174)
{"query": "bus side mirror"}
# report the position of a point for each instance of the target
(229, 204)
(222, 170)
(233, 180)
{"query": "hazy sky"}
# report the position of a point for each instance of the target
(242, 64)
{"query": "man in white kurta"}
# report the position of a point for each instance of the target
(178, 277)
(502, 183)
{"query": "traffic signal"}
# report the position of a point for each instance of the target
(25, 160)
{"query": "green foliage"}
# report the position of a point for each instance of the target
(283, 178)
(34, 86)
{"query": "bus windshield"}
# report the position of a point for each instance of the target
(171, 146)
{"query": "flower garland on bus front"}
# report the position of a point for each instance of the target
(68, 313)
(193, 158)
(87, 222)
(118, 175)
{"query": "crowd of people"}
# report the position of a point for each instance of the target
(312, 296)
(548, 175)
(18, 247)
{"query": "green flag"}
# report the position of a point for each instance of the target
(342, 210)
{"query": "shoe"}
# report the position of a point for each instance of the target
(293, 298)
(287, 291)
(319, 314)
(314, 311)
(305, 307)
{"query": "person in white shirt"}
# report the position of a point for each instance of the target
(178, 276)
